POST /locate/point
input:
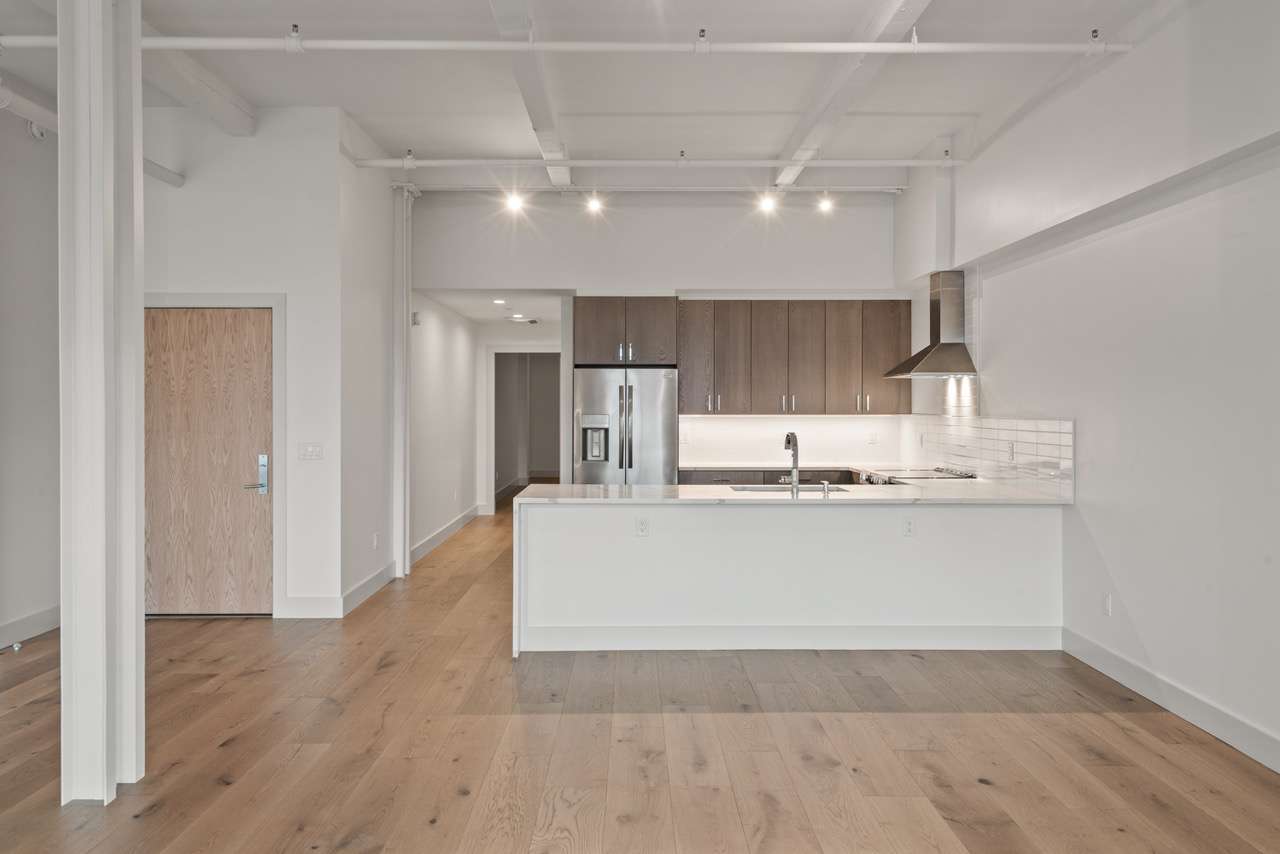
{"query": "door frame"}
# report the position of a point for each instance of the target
(487, 387)
(279, 467)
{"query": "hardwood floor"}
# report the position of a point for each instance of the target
(407, 727)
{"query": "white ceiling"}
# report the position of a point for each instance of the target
(479, 305)
(630, 105)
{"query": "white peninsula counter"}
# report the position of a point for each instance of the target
(973, 564)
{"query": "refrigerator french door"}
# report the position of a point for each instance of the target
(625, 428)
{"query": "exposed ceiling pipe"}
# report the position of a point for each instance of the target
(479, 188)
(410, 162)
(42, 117)
(294, 43)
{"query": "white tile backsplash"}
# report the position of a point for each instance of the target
(726, 440)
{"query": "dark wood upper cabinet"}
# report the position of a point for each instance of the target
(844, 357)
(732, 360)
(807, 357)
(651, 330)
(769, 350)
(599, 330)
(886, 341)
(695, 343)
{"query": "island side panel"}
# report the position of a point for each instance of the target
(788, 577)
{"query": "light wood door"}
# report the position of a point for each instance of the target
(844, 357)
(696, 356)
(732, 357)
(599, 330)
(886, 341)
(651, 330)
(769, 357)
(807, 357)
(208, 417)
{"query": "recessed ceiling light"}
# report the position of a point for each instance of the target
(517, 316)
(514, 202)
(594, 205)
(825, 205)
(499, 302)
(767, 203)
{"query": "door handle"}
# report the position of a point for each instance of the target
(631, 396)
(263, 484)
(622, 424)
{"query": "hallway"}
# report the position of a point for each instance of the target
(407, 727)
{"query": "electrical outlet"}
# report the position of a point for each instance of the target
(1012, 457)
(375, 541)
(908, 528)
(310, 451)
(1106, 605)
(642, 526)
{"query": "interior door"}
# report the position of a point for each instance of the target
(208, 441)
(769, 357)
(807, 356)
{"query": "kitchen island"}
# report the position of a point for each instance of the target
(971, 564)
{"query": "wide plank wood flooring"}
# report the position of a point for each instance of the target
(407, 727)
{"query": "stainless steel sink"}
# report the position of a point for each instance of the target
(805, 487)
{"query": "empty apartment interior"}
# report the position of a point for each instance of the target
(312, 538)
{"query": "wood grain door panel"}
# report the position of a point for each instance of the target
(886, 341)
(768, 356)
(807, 356)
(651, 330)
(208, 417)
(732, 363)
(599, 330)
(696, 356)
(844, 356)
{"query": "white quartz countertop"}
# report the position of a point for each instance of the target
(976, 491)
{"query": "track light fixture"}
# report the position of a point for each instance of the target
(767, 203)
(515, 202)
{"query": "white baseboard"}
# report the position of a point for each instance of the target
(364, 589)
(308, 608)
(429, 544)
(25, 628)
(550, 638)
(1247, 737)
(545, 473)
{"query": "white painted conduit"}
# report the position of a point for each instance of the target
(295, 43)
(411, 162)
(43, 117)
(605, 189)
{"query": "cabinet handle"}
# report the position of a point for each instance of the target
(708, 401)
(631, 356)
(782, 404)
(717, 403)
(868, 401)
(793, 403)
(859, 401)
(619, 351)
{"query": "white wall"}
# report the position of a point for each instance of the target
(260, 214)
(443, 429)
(653, 242)
(28, 382)
(544, 414)
(366, 316)
(1195, 90)
(756, 440)
(1154, 336)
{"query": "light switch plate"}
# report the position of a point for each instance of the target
(310, 451)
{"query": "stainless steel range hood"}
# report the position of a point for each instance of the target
(946, 355)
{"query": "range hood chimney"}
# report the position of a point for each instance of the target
(946, 355)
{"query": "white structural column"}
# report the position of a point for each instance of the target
(100, 395)
(844, 78)
(515, 23)
(405, 195)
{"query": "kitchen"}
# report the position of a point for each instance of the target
(689, 420)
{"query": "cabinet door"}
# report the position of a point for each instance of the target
(886, 341)
(768, 357)
(807, 357)
(599, 330)
(732, 361)
(695, 356)
(651, 330)
(844, 357)
(721, 477)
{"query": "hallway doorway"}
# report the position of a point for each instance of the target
(526, 434)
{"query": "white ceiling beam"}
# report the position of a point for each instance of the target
(515, 23)
(843, 79)
(189, 83)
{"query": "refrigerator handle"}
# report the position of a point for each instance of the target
(631, 396)
(622, 429)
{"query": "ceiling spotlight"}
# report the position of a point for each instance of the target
(517, 316)
(825, 205)
(499, 302)
(594, 205)
(767, 204)
(514, 202)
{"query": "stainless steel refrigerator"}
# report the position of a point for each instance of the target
(625, 429)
